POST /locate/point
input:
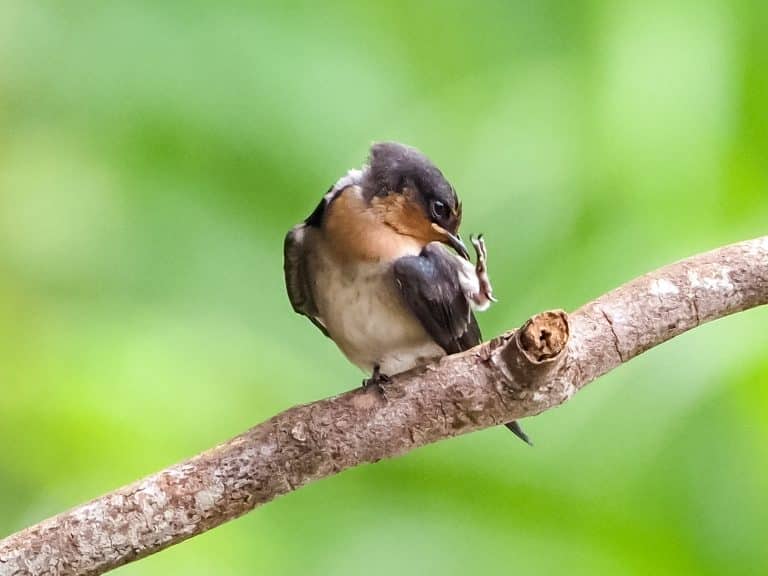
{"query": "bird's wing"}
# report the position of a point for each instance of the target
(297, 279)
(430, 286)
(431, 289)
(298, 244)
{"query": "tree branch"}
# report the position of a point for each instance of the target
(519, 374)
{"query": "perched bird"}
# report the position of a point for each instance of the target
(370, 268)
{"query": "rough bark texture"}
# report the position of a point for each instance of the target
(519, 374)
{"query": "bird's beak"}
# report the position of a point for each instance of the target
(452, 240)
(455, 242)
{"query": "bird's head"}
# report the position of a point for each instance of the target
(408, 193)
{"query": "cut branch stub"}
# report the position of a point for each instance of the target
(525, 357)
(544, 336)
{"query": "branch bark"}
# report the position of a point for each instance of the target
(519, 374)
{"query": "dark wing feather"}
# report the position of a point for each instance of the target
(431, 289)
(299, 241)
(297, 280)
(429, 284)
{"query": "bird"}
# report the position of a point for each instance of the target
(379, 267)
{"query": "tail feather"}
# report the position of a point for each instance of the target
(515, 428)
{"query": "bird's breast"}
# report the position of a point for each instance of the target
(364, 314)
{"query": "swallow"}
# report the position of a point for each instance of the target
(372, 267)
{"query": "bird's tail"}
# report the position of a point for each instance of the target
(515, 428)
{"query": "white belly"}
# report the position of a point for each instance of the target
(364, 314)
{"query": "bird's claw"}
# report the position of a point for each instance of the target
(479, 244)
(377, 380)
(481, 267)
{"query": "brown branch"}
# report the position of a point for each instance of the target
(519, 374)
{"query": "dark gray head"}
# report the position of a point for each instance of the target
(403, 176)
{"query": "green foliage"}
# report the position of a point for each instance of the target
(152, 155)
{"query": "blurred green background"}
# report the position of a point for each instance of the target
(153, 154)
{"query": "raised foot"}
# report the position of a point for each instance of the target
(481, 269)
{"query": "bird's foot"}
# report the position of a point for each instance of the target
(377, 380)
(485, 295)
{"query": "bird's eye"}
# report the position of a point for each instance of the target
(440, 210)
